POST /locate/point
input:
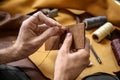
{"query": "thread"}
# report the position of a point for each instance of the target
(94, 22)
(102, 32)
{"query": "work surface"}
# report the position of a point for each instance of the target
(44, 60)
(109, 64)
(104, 51)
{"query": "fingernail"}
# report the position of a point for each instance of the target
(68, 34)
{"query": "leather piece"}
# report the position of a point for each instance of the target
(8, 22)
(52, 43)
(15, 6)
(45, 60)
(78, 32)
(100, 76)
(116, 49)
(29, 68)
(108, 8)
(4, 17)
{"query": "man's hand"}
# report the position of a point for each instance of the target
(69, 64)
(34, 32)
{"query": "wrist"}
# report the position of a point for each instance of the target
(23, 50)
(59, 75)
(18, 50)
(17, 47)
(9, 54)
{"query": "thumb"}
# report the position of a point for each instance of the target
(67, 43)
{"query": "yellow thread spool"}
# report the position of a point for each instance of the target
(103, 31)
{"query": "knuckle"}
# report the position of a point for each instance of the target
(62, 51)
(86, 56)
(52, 29)
(37, 13)
(85, 53)
(87, 63)
(52, 21)
(25, 22)
(55, 29)
(40, 12)
(82, 50)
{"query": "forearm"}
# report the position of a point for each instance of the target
(60, 76)
(10, 54)
(66, 75)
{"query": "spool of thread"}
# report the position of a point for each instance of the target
(115, 44)
(102, 32)
(94, 22)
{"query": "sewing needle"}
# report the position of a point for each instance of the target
(95, 54)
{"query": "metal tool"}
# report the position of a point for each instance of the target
(95, 54)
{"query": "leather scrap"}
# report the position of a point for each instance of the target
(78, 32)
(9, 22)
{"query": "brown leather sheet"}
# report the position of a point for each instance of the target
(78, 32)
(8, 22)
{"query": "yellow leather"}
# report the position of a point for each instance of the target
(17, 6)
(109, 8)
(24, 6)
(45, 59)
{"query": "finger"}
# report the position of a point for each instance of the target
(87, 44)
(54, 23)
(41, 28)
(37, 18)
(67, 43)
(46, 34)
(40, 18)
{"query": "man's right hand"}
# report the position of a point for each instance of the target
(69, 64)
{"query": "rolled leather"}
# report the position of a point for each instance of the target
(116, 49)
